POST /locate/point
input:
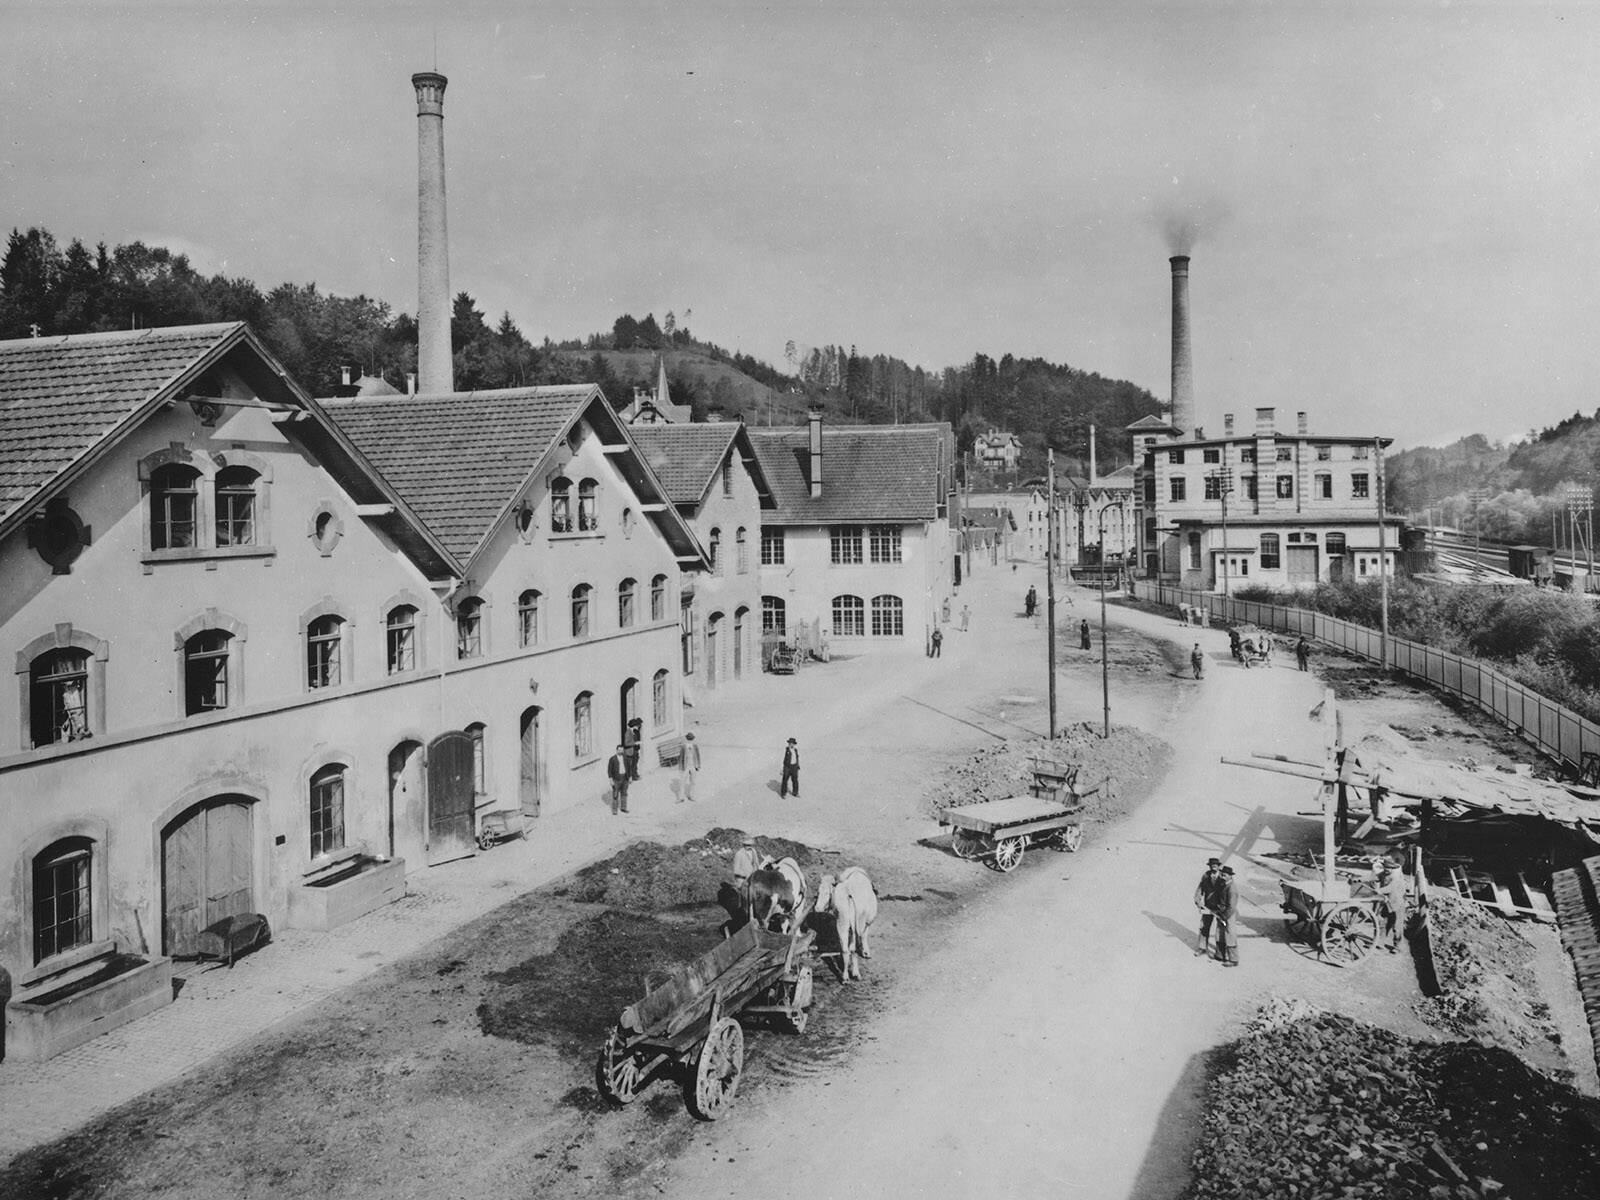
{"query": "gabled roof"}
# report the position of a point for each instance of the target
(686, 457)
(1152, 423)
(66, 401)
(991, 518)
(461, 459)
(869, 473)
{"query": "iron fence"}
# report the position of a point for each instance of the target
(1559, 732)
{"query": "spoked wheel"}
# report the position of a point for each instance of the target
(1068, 838)
(964, 844)
(617, 1073)
(800, 1001)
(1348, 932)
(716, 1076)
(1008, 853)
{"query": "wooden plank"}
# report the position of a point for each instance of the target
(1537, 900)
(1502, 898)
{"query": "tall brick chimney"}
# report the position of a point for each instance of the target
(1182, 364)
(434, 366)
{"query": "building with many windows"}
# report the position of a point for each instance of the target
(1268, 506)
(858, 548)
(271, 655)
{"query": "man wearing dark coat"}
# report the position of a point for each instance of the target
(617, 772)
(791, 770)
(1205, 895)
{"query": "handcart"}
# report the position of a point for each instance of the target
(690, 1018)
(1000, 830)
(1338, 917)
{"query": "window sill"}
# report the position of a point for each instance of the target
(58, 964)
(196, 554)
(333, 858)
(576, 536)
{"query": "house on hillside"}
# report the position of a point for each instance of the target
(1268, 506)
(272, 655)
(710, 471)
(998, 450)
(859, 545)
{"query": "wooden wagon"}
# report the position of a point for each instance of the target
(1338, 918)
(690, 1018)
(1001, 830)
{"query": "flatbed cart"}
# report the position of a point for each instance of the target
(1000, 830)
(1339, 918)
(690, 1017)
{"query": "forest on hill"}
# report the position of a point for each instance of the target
(48, 290)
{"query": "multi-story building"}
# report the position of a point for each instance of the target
(1268, 506)
(998, 450)
(859, 546)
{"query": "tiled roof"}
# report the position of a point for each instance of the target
(869, 473)
(1151, 422)
(62, 397)
(458, 458)
(685, 457)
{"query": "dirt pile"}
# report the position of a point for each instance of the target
(1122, 769)
(648, 877)
(1487, 987)
(1316, 1105)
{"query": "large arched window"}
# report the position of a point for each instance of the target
(774, 615)
(715, 548)
(625, 600)
(236, 506)
(849, 617)
(58, 686)
(561, 505)
(588, 506)
(63, 910)
(658, 598)
(174, 507)
(583, 726)
(400, 634)
(324, 656)
(469, 628)
(580, 610)
(327, 810)
(528, 618)
(658, 696)
(888, 617)
(206, 668)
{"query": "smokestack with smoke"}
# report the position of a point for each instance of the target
(1182, 364)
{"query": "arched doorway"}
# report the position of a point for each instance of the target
(452, 796)
(207, 870)
(713, 636)
(408, 801)
(627, 706)
(530, 788)
(738, 643)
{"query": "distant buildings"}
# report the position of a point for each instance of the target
(998, 450)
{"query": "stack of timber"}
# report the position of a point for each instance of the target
(1577, 895)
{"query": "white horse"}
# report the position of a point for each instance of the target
(854, 906)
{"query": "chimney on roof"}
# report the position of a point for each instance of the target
(1182, 363)
(411, 383)
(1227, 425)
(1301, 427)
(814, 421)
(433, 252)
(344, 376)
(1266, 421)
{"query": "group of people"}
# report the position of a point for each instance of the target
(623, 768)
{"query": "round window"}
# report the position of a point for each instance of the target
(326, 529)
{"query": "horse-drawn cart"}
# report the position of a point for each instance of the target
(690, 1018)
(1338, 918)
(1000, 830)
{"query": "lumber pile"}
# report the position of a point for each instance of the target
(1577, 897)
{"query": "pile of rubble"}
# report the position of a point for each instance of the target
(651, 878)
(1317, 1105)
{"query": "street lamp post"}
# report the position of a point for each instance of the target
(1105, 668)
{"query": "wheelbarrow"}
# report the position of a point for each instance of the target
(501, 825)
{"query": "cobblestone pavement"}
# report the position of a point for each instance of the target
(741, 729)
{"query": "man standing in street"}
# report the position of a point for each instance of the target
(1226, 909)
(631, 741)
(1205, 895)
(938, 641)
(1083, 634)
(791, 770)
(688, 767)
(1302, 653)
(1197, 660)
(617, 771)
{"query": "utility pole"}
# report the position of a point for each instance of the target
(966, 536)
(1105, 661)
(1224, 478)
(1050, 579)
(1383, 558)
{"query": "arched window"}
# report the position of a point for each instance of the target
(561, 505)
(625, 594)
(324, 642)
(741, 555)
(658, 696)
(205, 671)
(469, 628)
(658, 598)
(236, 506)
(888, 617)
(774, 615)
(58, 684)
(400, 629)
(327, 810)
(849, 617)
(174, 507)
(580, 610)
(583, 726)
(480, 775)
(716, 551)
(528, 618)
(588, 507)
(63, 911)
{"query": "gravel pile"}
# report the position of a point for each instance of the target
(1316, 1105)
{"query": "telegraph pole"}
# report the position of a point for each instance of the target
(1050, 579)
(1105, 661)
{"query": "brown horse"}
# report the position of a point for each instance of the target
(773, 894)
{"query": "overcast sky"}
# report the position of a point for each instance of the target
(1396, 202)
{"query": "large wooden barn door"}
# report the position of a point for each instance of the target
(1302, 564)
(207, 857)
(450, 797)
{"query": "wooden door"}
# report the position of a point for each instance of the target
(530, 788)
(450, 797)
(207, 858)
(1302, 564)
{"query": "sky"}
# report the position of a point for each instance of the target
(1392, 205)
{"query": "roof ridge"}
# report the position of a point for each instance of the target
(151, 333)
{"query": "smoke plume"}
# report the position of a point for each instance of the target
(1185, 223)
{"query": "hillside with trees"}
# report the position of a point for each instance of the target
(48, 290)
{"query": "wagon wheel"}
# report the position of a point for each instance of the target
(617, 1072)
(716, 1076)
(485, 841)
(1348, 932)
(1008, 853)
(963, 844)
(1068, 838)
(800, 1000)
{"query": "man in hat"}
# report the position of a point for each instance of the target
(1392, 887)
(1197, 660)
(1226, 909)
(745, 862)
(791, 770)
(1083, 634)
(617, 771)
(688, 768)
(1204, 896)
(633, 739)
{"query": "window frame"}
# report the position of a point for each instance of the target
(1322, 485)
(658, 598)
(581, 597)
(401, 636)
(162, 492)
(204, 475)
(473, 608)
(41, 686)
(1285, 487)
(849, 610)
(221, 656)
(78, 853)
(627, 603)
(225, 516)
(714, 550)
(583, 727)
(1360, 485)
(770, 606)
(324, 652)
(660, 709)
(885, 544)
(323, 796)
(741, 552)
(774, 547)
(845, 545)
(1177, 489)
(529, 603)
(588, 505)
(888, 616)
(1270, 556)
